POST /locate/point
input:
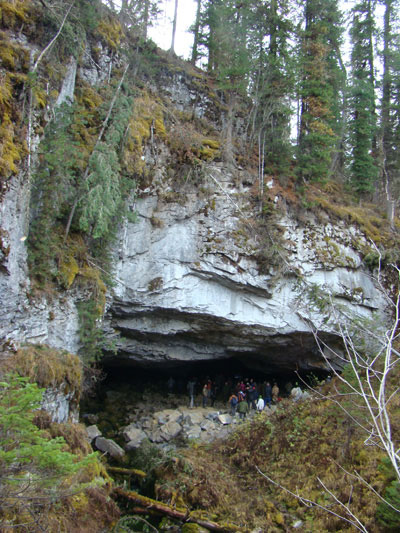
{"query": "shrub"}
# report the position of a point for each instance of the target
(36, 470)
(387, 516)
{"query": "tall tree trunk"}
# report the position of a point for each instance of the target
(195, 51)
(371, 65)
(124, 9)
(228, 129)
(211, 44)
(145, 18)
(172, 49)
(385, 113)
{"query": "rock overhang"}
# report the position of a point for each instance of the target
(165, 338)
(190, 287)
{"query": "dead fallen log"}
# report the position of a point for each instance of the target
(126, 471)
(148, 505)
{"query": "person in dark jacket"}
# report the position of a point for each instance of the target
(233, 402)
(268, 394)
(252, 397)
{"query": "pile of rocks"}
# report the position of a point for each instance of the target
(170, 426)
(203, 424)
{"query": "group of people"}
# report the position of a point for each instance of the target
(242, 396)
(250, 396)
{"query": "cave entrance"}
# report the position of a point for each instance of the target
(231, 370)
(130, 394)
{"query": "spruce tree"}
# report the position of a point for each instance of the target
(363, 125)
(139, 15)
(272, 83)
(390, 104)
(196, 34)
(225, 30)
(320, 71)
(61, 158)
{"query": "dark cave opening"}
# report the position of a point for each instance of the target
(128, 393)
(218, 371)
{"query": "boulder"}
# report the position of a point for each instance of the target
(208, 426)
(134, 437)
(170, 430)
(91, 418)
(297, 394)
(109, 446)
(224, 419)
(155, 436)
(147, 424)
(194, 417)
(93, 432)
(212, 415)
(193, 432)
(168, 415)
(207, 437)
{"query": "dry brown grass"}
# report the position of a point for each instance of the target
(296, 446)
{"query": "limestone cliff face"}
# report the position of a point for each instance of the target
(25, 317)
(189, 285)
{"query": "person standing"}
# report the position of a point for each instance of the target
(275, 393)
(241, 387)
(205, 394)
(191, 386)
(252, 394)
(260, 404)
(233, 402)
(226, 390)
(268, 394)
(243, 409)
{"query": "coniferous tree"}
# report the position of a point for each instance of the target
(211, 27)
(319, 66)
(61, 158)
(363, 124)
(229, 27)
(138, 15)
(196, 34)
(273, 82)
(390, 107)
(36, 470)
(97, 192)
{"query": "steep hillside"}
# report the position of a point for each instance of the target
(127, 186)
(141, 227)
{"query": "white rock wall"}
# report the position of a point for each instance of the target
(189, 287)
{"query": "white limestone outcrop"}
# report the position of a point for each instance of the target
(189, 286)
